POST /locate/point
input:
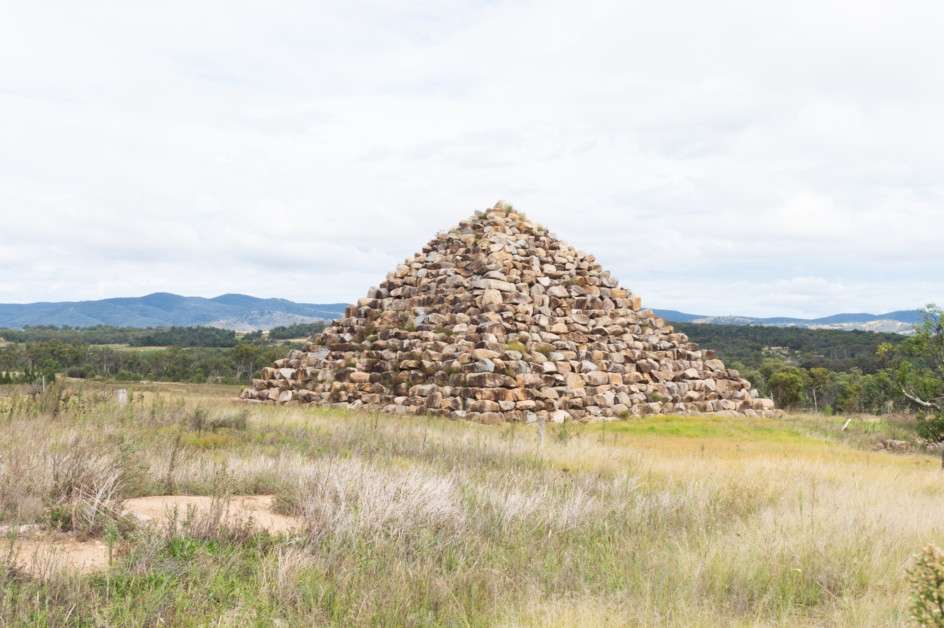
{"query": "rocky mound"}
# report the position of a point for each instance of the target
(497, 319)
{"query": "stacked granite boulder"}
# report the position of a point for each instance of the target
(497, 319)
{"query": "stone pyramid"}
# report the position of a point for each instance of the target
(496, 319)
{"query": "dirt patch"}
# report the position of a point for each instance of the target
(42, 555)
(45, 557)
(241, 508)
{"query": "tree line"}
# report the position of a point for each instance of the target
(836, 350)
(192, 354)
(823, 370)
(197, 336)
(820, 370)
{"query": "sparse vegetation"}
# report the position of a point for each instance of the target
(655, 521)
(514, 345)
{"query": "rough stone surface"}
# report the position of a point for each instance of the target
(498, 320)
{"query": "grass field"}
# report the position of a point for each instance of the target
(663, 521)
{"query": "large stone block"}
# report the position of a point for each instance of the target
(488, 380)
(484, 405)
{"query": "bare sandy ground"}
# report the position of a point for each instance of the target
(43, 555)
(259, 507)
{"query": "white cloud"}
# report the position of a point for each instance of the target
(723, 158)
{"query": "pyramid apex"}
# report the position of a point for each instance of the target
(501, 206)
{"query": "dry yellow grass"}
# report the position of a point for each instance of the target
(678, 521)
(814, 515)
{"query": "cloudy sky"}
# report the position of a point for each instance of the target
(719, 158)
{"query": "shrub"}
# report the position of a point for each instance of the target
(198, 419)
(931, 427)
(234, 421)
(927, 580)
(786, 388)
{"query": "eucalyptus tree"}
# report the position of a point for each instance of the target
(916, 367)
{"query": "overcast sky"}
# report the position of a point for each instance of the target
(718, 157)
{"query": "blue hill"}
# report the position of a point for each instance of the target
(163, 309)
(243, 312)
(899, 321)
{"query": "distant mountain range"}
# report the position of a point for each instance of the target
(245, 313)
(162, 309)
(900, 322)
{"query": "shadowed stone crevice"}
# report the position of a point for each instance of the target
(497, 319)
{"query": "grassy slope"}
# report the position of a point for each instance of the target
(662, 521)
